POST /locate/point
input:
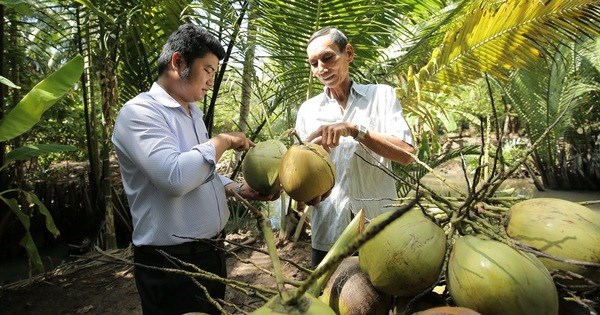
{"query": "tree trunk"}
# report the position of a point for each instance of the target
(3, 173)
(108, 87)
(248, 73)
(83, 42)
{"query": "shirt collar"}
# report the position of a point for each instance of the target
(161, 96)
(361, 89)
(357, 88)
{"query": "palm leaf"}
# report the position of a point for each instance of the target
(514, 36)
(285, 27)
(30, 151)
(540, 97)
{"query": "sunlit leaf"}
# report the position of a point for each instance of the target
(29, 110)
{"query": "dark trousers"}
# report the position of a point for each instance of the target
(169, 293)
(317, 257)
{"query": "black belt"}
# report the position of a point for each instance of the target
(188, 248)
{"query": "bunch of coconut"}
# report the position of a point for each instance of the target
(491, 277)
(304, 171)
(483, 275)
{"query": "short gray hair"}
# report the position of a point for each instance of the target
(338, 37)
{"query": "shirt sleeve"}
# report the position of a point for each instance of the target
(145, 138)
(396, 124)
(225, 180)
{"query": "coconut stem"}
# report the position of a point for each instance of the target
(265, 227)
(353, 230)
(293, 132)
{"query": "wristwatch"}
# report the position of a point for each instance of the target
(238, 188)
(362, 132)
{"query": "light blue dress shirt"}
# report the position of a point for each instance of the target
(168, 170)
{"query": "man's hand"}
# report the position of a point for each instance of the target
(230, 140)
(247, 192)
(329, 136)
(238, 141)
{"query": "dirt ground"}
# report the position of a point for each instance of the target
(102, 282)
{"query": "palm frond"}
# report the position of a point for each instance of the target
(541, 97)
(284, 28)
(514, 36)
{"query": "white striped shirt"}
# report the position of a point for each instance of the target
(168, 170)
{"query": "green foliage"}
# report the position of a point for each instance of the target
(240, 219)
(30, 109)
(493, 38)
(514, 150)
(27, 241)
(555, 94)
(23, 117)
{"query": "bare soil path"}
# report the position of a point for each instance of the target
(102, 283)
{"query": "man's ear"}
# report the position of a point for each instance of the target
(176, 60)
(178, 64)
(350, 52)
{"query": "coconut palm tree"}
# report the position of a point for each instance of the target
(498, 40)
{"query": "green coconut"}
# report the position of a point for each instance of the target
(308, 305)
(306, 172)
(349, 291)
(261, 166)
(406, 257)
(560, 228)
(492, 278)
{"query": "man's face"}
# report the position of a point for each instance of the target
(327, 62)
(198, 78)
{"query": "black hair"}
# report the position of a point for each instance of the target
(338, 37)
(192, 42)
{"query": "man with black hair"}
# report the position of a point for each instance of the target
(168, 167)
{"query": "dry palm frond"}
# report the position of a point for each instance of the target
(97, 262)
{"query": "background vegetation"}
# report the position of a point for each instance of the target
(522, 69)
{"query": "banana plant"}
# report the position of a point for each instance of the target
(27, 113)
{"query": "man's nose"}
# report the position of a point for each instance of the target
(321, 67)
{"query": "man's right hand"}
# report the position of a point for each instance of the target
(230, 140)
